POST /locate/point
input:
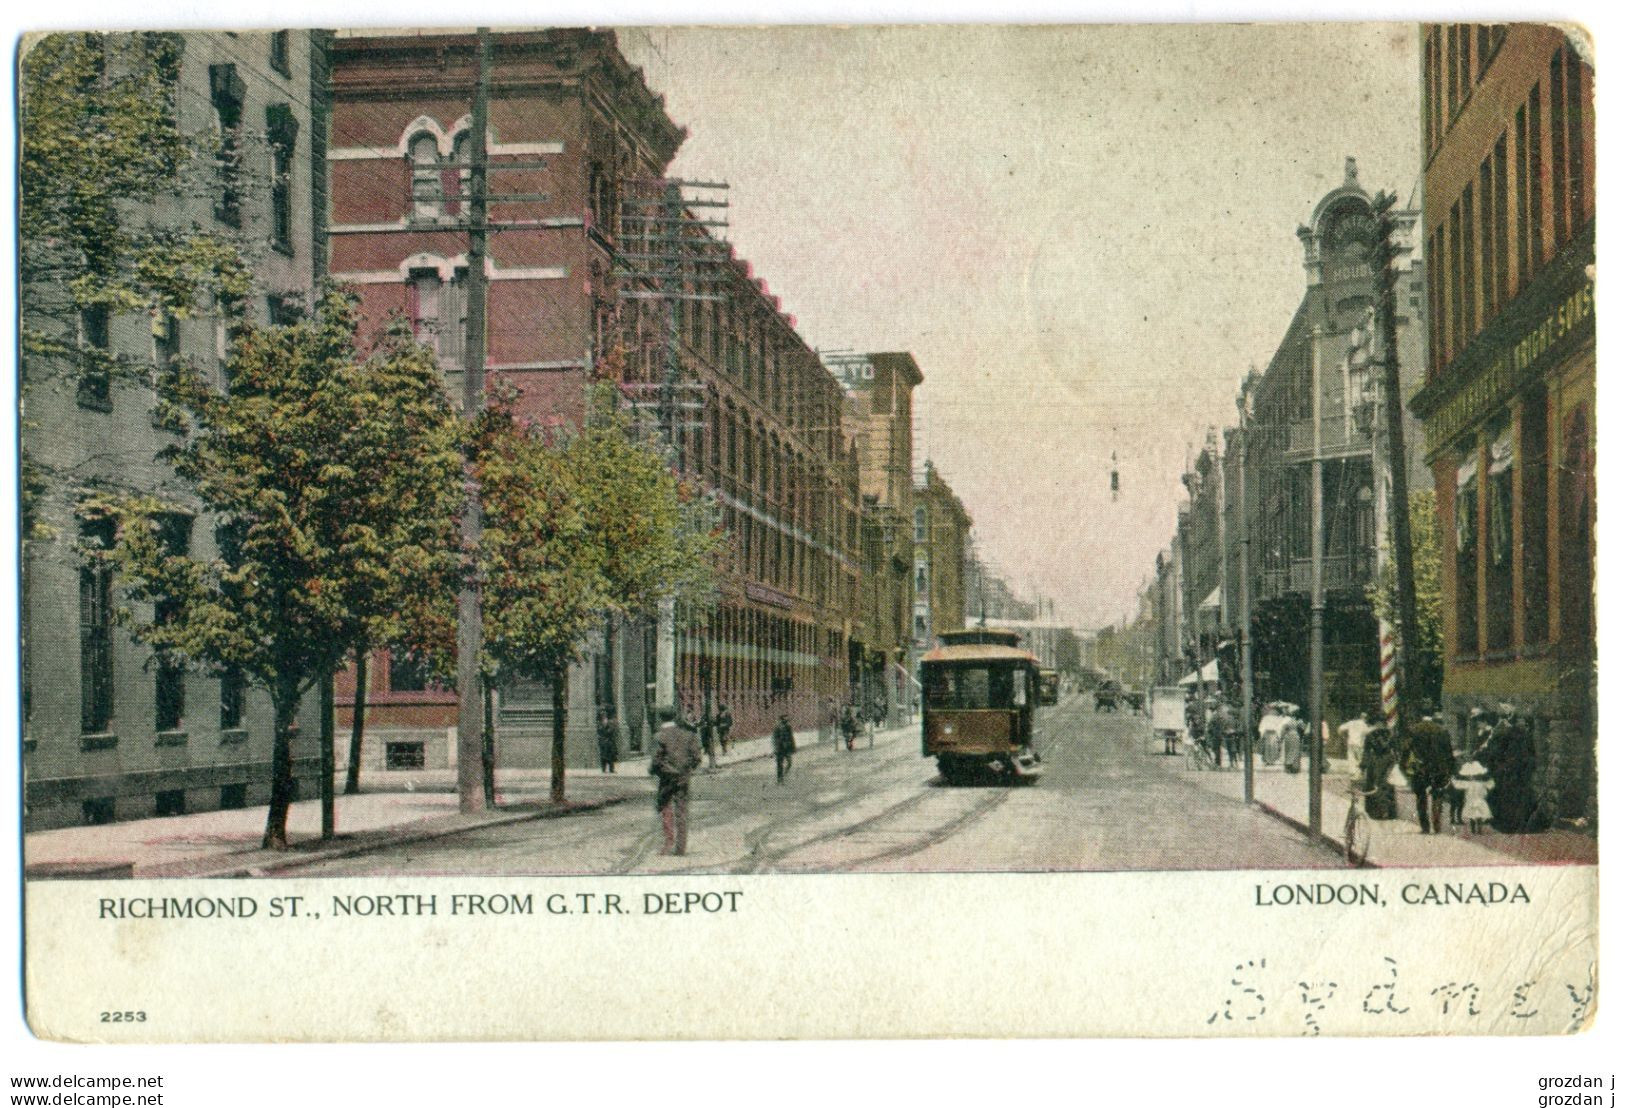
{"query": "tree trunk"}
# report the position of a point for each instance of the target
(560, 712)
(285, 705)
(324, 690)
(352, 773)
(488, 745)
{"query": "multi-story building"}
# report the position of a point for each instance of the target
(1331, 340)
(578, 146)
(879, 407)
(1509, 405)
(107, 732)
(941, 540)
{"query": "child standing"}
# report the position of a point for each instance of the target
(1475, 784)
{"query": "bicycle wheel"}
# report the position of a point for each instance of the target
(1356, 836)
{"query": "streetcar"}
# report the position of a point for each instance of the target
(981, 692)
(1049, 687)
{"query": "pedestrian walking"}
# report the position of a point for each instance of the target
(725, 726)
(676, 756)
(1195, 720)
(784, 747)
(1475, 784)
(609, 741)
(708, 738)
(1428, 764)
(849, 725)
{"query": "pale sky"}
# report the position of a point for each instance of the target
(1085, 235)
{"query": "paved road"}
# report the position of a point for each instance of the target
(1105, 803)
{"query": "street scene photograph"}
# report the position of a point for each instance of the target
(514, 452)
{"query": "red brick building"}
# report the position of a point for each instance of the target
(764, 432)
(1509, 407)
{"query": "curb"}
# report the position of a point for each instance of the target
(272, 867)
(1321, 838)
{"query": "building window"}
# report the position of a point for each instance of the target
(409, 672)
(403, 755)
(424, 153)
(1498, 547)
(1469, 276)
(96, 811)
(232, 689)
(226, 93)
(1567, 151)
(1532, 471)
(95, 385)
(282, 131)
(95, 631)
(1498, 189)
(1537, 201)
(439, 314)
(1457, 336)
(170, 802)
(234, 796)
(1560, 162)
(279, 53)
(169, 681)
(1466, 520)
(1452, 46)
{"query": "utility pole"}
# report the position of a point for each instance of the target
(1244, 589)
(670, 257)
(471, 793)
(1398, 483)
(1317, 589)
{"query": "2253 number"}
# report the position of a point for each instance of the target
(124, 1017)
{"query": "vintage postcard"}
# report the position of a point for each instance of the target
(1026, 530)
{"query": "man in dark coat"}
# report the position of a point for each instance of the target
(1510, 758)
(609, 741)
(676, 756)
(1428, 764)
(784, 746)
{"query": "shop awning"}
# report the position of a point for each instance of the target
(1207, 675)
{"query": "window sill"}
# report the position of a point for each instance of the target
(170, 738)
(232, 736)
(99, 741)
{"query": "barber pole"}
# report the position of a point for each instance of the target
(1390, 674)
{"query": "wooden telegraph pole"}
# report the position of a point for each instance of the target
(1399, 499)
(471, 792)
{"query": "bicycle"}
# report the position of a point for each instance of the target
(1357, 827)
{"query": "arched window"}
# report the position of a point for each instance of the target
(424, 153)
(454, 174)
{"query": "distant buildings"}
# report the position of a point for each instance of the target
(1509, 405)
(941, 541)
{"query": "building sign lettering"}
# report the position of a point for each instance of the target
(1503, 374)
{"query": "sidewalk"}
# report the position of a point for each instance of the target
(1396, 842)
(395, 808)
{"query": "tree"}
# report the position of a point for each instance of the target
(580, 525)
(99, 136)
(333, 480)
(1426, 655)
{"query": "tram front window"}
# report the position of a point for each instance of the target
(973, 687)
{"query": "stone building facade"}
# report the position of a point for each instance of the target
(107, 734)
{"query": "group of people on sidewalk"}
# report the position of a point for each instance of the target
(1491, 783)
